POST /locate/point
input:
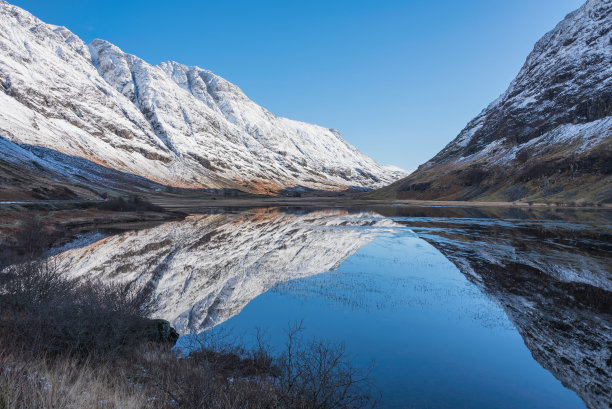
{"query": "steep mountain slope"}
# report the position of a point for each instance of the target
(549, 136)
(205, 269)
(175, 125)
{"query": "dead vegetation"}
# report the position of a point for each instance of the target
(31, 238)
(132, 203)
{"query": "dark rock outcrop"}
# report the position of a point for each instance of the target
(156, 330)
(161, 331)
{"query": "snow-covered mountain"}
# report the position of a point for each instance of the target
(171, 124)
(206, 269)
(549, 136)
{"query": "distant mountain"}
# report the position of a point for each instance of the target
(548, 137)
(95, 107)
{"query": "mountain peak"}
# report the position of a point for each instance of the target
(172, 124)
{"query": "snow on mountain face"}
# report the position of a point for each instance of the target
(567, 79)
(175, 125)
(205, 269)
(554, 119)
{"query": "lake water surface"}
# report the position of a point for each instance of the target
(454, 308)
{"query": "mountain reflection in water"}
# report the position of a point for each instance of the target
(552, 277)
(206, 268)
(549, 271)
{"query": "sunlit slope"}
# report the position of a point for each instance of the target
(174, 125)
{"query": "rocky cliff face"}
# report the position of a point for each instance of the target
(549, 136)
(171, 124)
(206, 269)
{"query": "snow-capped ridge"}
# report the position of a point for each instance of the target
(173, 124)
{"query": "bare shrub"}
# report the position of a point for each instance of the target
(315, 374)
(31, 239)
(221, 374)
(193, 383)
(85, 344)
(52, 313)
(26, 286)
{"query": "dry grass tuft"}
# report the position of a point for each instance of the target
(64, 383)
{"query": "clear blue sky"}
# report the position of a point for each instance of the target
(399, 79)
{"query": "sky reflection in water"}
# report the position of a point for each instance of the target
(436, 340)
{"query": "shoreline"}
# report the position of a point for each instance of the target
(187, 204)
(74, 216)
(184, 203)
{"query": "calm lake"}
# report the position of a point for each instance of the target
(453, 307)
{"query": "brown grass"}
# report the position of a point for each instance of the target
(307, 375)
(64, 383)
